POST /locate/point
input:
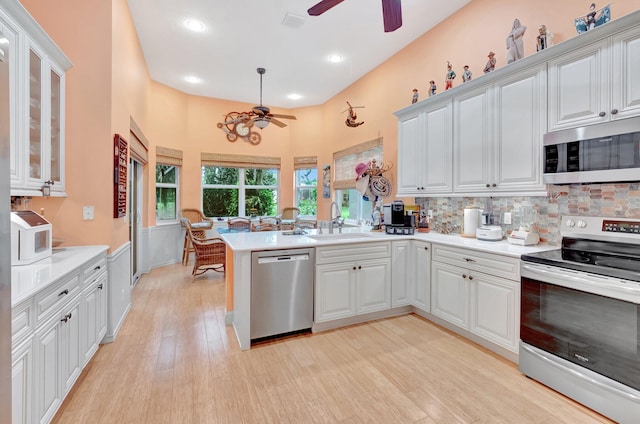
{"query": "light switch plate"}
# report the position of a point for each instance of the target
(87, 213)
(507, 218)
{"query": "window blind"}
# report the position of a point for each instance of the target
(239, 161)
(345, 161)
(304, 162)
(139, 145)
(167, 156)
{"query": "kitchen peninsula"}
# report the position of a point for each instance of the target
(446, 291)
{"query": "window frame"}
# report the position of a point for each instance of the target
(175, 185)
(297, 187)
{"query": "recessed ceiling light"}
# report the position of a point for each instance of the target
(294, 96)
(335, 58)
(192, 79)
(195, 25)
(4, 40)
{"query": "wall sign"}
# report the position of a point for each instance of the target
(119, 176)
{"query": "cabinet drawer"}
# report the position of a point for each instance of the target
(94, 268)
(49, 301)
(22, 321)
(501, 266)
(352, 252)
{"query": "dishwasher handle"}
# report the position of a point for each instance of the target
(284, 258)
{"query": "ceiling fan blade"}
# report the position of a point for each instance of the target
(322, 7)
(278, 123)
(261, 110)
(278, 115)
(392, 15)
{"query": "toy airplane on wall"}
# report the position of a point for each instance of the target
(352, 117)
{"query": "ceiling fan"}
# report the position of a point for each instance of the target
(391, 12)
(239, 124)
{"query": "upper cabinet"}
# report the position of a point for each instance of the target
(37, 106)
(424, 150)
(596, 83)
(484, 137)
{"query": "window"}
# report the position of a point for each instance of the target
(168, 163)
(166, 192)
(354, 208)
(228, 191)
(307, 191)
(238, 185)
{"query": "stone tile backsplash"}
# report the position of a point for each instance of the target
(615, 200)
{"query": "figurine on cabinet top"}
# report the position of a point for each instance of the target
(451, 74)
(491, 63)
(414, 99)
(432, 88)
(515, 42)
(593, 19)
(544, 39)
(466, 75)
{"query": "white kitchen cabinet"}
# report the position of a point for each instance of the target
(10, 31)
(478, 292)
(37, 106)
(95, 311)
(425, 151)
(495, 311)
(58, 359)
(402, 282)
(498, 132)
(421, 256)
(352, 280)
(21, 387)
(596, 83)
(450, 294)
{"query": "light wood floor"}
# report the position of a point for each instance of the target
(174, 361)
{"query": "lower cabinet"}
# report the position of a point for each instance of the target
(95, 311)
(483, 304)
(402, 281)
(421, 273)
(21, 377)
(352, 280)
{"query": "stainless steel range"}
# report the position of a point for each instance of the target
(580, 315)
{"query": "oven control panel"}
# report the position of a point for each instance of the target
(629, 227)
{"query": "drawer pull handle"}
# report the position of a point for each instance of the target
(100, 286)
(66, 318)
(469, 259)
(63, 292)
(96, 268)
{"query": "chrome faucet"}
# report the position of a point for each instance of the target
(337, 219)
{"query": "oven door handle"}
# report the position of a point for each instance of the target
(628, 291)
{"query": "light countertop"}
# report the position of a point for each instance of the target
(271, 240)
(26, 280)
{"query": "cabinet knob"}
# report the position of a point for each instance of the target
(63, 292)
(614, 111)
(470, 277)
(426, 248)
(488, 185)
(494, 185)
(354, 268)
(601, 114)
(100, 286)
(66, 318)
(464, 275)
(359, 266)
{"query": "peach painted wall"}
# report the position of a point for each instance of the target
(172, 119)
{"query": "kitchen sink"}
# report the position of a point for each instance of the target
(339, 236)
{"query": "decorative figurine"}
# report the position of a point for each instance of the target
(432, 88)
(414, 99)
(593, 19)
(448, 83)
(515, 44)
(491, 63)
(544, 39)
(352, 117)
(466, 75)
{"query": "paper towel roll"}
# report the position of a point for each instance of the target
(471, 221)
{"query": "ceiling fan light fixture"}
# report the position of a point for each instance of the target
(261, 122)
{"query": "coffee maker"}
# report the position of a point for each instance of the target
(397, 213)
(400, 223)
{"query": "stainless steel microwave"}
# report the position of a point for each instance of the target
(607, 152)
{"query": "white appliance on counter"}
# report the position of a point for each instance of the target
(30, 237)
(489, 233)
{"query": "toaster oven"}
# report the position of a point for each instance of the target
(30, 237)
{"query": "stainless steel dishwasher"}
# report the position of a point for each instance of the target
(281, 291)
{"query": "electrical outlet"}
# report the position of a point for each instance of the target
(506, 219)
(87, 213)
(430, 213)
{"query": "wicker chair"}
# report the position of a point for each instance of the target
(265, 226)
(198, 223)
(289, 214)
(239, 224)
(210, 254)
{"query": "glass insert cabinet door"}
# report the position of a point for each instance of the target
(55, 173)
(36, 88)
